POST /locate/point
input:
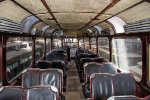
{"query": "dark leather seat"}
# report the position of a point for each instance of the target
(35, 93)
(94, 67)
(79, 51)
(59, 64)
(105, 85)
(43, 77)
(57, 54)
(128, 97)
(11, 93)
(84, 60)
(85, 55)
(42, 93)
(96, 59)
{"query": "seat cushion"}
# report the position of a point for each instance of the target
(11, 93)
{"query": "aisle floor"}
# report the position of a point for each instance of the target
(74, 87)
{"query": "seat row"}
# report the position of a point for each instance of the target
(101, 79)
(128, 98)
(38, 84)
(56, 58)
(34, 93)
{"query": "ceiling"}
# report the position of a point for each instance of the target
(75, 14)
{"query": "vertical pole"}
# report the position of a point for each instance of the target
(97, 44)
(90, 42)
(110, 49)
(78, 42)
(33, 51)
(3, 77)
(51, 42)
(144, 60)
(62, 42)
(83, 43)
(45, 48)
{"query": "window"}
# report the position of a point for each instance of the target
(57, 43)
(81, 44)
(149, 61)
(103, 47)
(18, 55)
(86, 42)
(48, 45)
(39, 48)
(71, 42)
(93, 44)
(127, 54)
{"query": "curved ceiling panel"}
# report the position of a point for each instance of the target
(75, 6)
(11, 11)
(137, 13)
(29, 23)
(118, 24)
(35, 6)
(105, 25)
(39, 25)
(123, 4)
(73, 20)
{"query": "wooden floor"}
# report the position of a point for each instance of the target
(74, 87)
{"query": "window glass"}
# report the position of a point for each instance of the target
(149, 61)
(48, 45)
(18, 55)
(39, 48)
(93, 44)
(103, 47)
(57, 43)
(71, 42)
(86, 42)
(81, 44)
(127, 54)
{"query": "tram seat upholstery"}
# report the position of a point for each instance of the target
(79, 51)
(94, 67)
(85, 55)
(58, 64)
(35, 93)
(42, 93)
(96, 59)
(103, 86)
(128, 97)
(11, 93)
(84, 60)
(43, 77)
(56, 54)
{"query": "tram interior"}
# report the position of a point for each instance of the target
(74, 50)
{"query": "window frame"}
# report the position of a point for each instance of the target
(127, 37)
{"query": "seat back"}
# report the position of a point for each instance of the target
(101, 86)
(34, 93)
(123, 98)
(128, 97)
(53, 77)
(96, 59)
(124, 84)
(44, 93)
(56, 54)
(59, 64)
(31, 77)
(105, 85)
(43, 77)
(94, 67)
(11, 93)
(89, 69)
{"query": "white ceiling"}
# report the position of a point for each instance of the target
(73, 14)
